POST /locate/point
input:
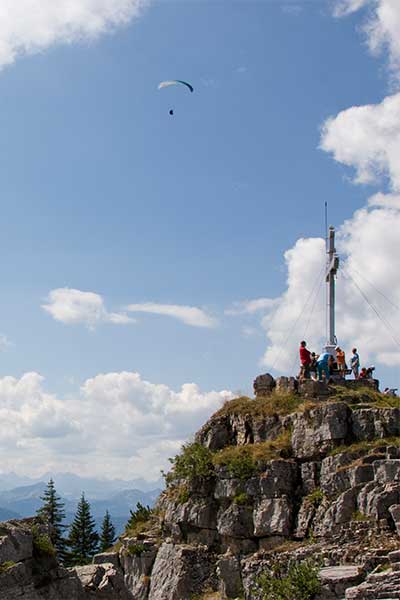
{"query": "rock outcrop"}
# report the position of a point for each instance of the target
(296, 475)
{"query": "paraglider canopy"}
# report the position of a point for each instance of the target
(165, 84)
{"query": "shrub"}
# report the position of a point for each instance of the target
(194, 461)
(316, 497)
(241, 499)
(6, 565)
(42, 542)
(299, 582)
(139, 518)
(238, 460)
(136, 549)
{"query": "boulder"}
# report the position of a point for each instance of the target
(179, 572)
(103, 582)
(263, 385)
(335, 580)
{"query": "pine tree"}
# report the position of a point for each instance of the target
(52, 512)
(107, 536)
(83, 539)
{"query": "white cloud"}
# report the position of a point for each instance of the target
(72, 306)
(293, 10)
(368, 139)
(117, 425)
(369, 245)
(250, 307)
(190, 315)
(31, 26)
(346, 7)
(4, 342)
(382, 27)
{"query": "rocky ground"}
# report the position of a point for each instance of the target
(302, 473)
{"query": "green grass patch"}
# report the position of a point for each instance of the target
(243, 462)
(359, 517)
(277, 403)
(6, 565)
(366, 395)
(366, 445)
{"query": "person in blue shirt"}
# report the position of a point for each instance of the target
(323, 363)
(355, 363)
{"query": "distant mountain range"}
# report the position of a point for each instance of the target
(116, 496)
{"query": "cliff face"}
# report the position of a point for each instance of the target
(296, 474)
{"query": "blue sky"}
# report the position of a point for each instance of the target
(102, 191)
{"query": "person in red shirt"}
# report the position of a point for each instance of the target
(305, 361)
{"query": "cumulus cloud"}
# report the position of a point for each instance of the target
(368, 291)
(117, 425)
(31, 26)
(72, 306)
(382, 27)
(368, 139)
(190, 315)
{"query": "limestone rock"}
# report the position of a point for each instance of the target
(236, 522)
(287, 384)
(102, 582)
(394, 510)
(320, 430)
(16, 542)
(335, 580)
(263, 385)
(179, 572)
(228, 570)
(273, 516)
(279, 478)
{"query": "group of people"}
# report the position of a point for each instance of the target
(321, 366)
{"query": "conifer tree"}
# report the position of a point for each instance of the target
(107, 536)
(83, 539)
(52, 512)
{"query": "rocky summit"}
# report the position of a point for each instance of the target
(303, 482)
